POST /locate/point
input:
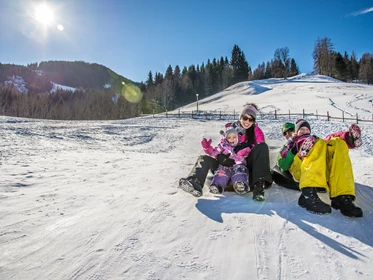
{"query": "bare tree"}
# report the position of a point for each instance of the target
(323, 56)
(283, 59)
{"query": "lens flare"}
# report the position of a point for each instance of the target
(131, 93)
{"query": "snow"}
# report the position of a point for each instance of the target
(17, 82)
(58, 86)
(100, 199)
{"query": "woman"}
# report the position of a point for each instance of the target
(318, 163)
(257, 162)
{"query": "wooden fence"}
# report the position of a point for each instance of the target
(235, 115)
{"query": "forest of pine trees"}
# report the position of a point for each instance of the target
(161, 92)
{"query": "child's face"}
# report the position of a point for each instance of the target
(303, 130)
(232, 139)
(289, 133)
(247, 121)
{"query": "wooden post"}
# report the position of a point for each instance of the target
(343, 116)
(179, 113)
(289, 113)
(357, 118)
(275, 114)
(327, 114)
(303, 113)
(317, 115)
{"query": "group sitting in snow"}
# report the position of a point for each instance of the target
(242, 157)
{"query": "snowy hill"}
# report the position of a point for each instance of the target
(99, 199)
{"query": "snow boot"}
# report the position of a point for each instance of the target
(346, 205)
(191, 185)
(240, 188)
(258, 191)
(215, 189)
(311, 201)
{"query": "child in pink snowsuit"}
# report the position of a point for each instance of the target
(238, 173)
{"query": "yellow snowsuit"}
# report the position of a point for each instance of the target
(327, 165)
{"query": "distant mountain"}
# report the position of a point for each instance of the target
(76, 74)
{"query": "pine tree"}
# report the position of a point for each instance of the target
(239, 65)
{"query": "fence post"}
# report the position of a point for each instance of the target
(343, 116)
(289, 113)
(357, 118)
(317, 115)
(327, 115)
(275, 114)
(303, 113)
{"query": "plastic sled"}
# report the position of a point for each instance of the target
(284, 179)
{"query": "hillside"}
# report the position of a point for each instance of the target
(78, 74)
(100, 199)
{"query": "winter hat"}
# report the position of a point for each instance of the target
(286, 127)
(301, 123)
(250, 110)
(228, 130)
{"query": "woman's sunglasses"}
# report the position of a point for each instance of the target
(244, 118)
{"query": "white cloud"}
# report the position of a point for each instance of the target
(361, 12)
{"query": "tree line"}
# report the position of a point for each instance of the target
(346, 68)
(180, 87)
(161, 92)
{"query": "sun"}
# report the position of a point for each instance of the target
(44, 14)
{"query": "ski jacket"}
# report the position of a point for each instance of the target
(259, 135)
(342, 135)
(224, 147)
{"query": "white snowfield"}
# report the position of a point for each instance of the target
(100, 199)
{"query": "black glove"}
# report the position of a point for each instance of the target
(294, 150)
(241, 146)
(225, 160)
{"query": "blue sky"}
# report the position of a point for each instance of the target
(138, 36)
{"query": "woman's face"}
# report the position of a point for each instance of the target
(247, 121)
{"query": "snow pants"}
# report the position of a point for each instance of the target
(223, 174)
(327, 165)
(257, 165)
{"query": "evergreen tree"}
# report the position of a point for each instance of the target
(239, 65)
(293, 68)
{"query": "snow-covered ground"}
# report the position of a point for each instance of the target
(100, 199)
(58, 86)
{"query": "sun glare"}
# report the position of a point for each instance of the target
(44, 14)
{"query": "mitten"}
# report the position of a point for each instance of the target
(305, 146)
(355, 134)
(206, 144)
(244, 153)
(225, 160)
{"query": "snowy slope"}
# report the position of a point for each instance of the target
(99, 199)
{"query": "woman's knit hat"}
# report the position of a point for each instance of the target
(250, 110)
(301, 123)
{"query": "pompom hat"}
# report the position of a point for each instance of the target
(302, 123)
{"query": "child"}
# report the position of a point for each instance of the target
(238, 173)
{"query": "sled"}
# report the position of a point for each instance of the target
(284, 178)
